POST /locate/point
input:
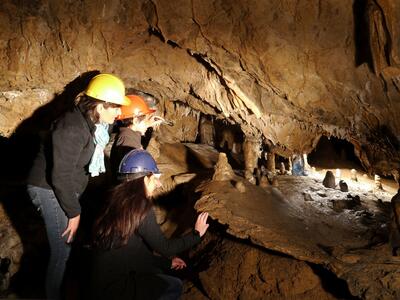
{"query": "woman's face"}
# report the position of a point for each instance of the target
(140, 124)
(152, 183)
(108, 115)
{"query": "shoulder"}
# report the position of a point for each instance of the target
(149, 219)
(72, 120)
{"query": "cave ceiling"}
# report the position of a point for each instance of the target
(285, 71)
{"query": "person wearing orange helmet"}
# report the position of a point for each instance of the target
(135, 119)
(71, 151)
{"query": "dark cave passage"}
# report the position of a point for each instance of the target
(332, 153)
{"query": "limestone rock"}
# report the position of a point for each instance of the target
(329, 180)
(308, 197)
(353, 175)
(378, 183)
(185, 55)
(264, 182)
(207, 131)
(239, 185)
(277, 221)
(258, 275)
(223, 170)
(343, 186)
(251, 152)
(340, 205)
(394, 234)
(282, 169)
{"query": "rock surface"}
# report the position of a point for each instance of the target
(246, 272)
(350, 243)
(223, 170)
(286, 71)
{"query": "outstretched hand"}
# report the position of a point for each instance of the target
(155, 121)
(178, 263)
(201, 224)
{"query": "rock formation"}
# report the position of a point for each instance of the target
(223, 170)
(329, 180)
(278, 69)
(343, 186)
(284, 72)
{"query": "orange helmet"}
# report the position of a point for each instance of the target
(137, 107)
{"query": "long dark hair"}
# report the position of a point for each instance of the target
(87, 105)
(125, 208)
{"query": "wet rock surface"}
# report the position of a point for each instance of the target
(297, 221)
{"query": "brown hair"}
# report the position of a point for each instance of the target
(125, 208)
(87, 106)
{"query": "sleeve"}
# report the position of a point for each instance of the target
(67, 145)
(151, 233)
(162, 262)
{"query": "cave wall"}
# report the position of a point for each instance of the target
(289, 71)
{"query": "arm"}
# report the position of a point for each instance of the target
(150, 231)
(67, 145)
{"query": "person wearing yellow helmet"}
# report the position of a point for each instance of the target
(72, 150)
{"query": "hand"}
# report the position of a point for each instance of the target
(72, 227)
(154, 121)
(201, 224)
(177, 264)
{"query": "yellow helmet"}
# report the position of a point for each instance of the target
(109, 88)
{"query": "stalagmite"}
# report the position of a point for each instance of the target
(282, 169)
(307, 167)
(353, 175)
(378, 183)
(239, 185)
(223, 170)
(251, 151)
(258, 175)
(271, 162)
(338, 173)
(264, 182)
(343, 186)
(329, 180)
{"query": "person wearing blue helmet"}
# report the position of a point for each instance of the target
(126, 234)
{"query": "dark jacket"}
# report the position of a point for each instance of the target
(63, 158)
(115, 272)
(125, 141)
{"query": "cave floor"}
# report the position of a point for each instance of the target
(309, 222)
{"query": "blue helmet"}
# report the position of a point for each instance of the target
(138, 162)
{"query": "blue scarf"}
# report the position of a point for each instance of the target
(101, 139)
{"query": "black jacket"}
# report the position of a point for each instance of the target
(63, 159)
(125, 141)
(115, 272)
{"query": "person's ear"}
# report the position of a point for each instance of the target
(100, 108)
